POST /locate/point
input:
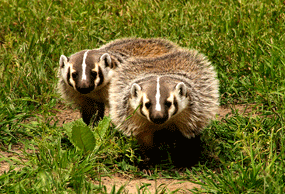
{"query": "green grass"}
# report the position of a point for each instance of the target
(243, 39)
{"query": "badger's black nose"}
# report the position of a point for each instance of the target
(158, 117)
(85, 90)
(85, 87)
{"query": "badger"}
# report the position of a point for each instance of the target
(178, 91)
(84, 76)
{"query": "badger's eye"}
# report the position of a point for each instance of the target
(168, 104)
(147, 105)
(94, 74)
(74, 75)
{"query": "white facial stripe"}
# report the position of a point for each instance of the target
(97, 79)
(84, 66)
(157, 96)
(171, 110)
(144, 110)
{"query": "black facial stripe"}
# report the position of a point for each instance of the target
(106, 62)
(68, 76)
(101, 76)
(175, 103)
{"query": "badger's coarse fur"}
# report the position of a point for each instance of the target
(84, 75)
(177, 91)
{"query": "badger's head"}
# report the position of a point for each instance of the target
(158, 98)
(86, 70)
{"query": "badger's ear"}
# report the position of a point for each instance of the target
(135, 89)
(62, 61)
(181, 89)
(109, 61)
(105, 60)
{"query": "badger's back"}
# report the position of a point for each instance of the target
(141, 47)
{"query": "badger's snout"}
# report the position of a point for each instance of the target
(85, 87)
(158, 117)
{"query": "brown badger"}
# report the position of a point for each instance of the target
(175, 92)
(84, 76)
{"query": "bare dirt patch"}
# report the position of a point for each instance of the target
(242, 109)
(16, 152)
(153, 186)
(65, 114)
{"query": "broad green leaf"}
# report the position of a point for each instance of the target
(83, 137)
(68, 126)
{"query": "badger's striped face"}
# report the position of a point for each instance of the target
(85, 70)
(159, 99)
